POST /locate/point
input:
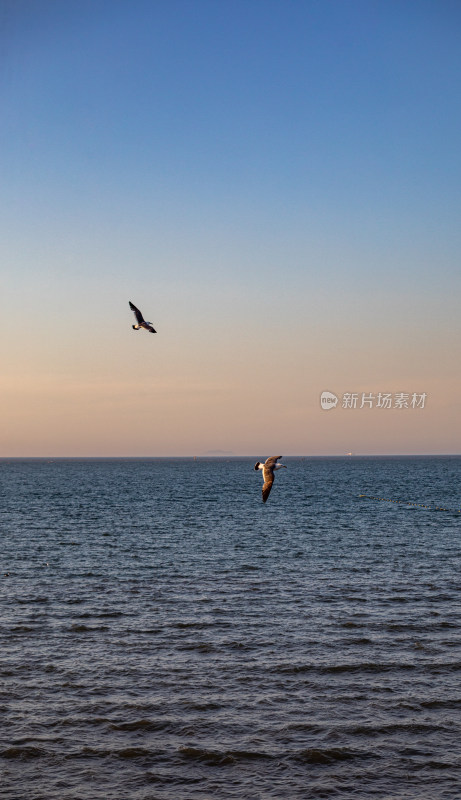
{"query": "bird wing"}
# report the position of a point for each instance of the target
(137, 313)
(267, 485)
(268, 472)
(150, 328)
(271, 461)
(268, 475)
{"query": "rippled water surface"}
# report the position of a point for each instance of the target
(166, 635)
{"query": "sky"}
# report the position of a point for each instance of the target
(276, 184)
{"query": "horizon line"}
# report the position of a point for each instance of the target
(239, 455)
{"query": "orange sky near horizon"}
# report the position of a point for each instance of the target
(73, 387)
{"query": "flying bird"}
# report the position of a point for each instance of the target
(268, 469)
(141, 322)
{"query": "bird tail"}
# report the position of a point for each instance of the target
(257, 465)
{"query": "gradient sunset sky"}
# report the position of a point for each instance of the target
(276, 185)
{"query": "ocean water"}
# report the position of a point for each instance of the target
(166, 635)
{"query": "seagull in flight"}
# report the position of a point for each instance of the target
(268, 469)
(141, 322)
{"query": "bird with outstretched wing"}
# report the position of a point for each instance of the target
(268, 469)
(140, 321)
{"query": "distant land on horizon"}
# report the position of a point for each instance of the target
(218, 453)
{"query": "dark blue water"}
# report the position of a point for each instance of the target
(166, 635)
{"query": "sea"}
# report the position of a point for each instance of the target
(167, 636)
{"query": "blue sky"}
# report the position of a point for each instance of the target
(226, 163)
